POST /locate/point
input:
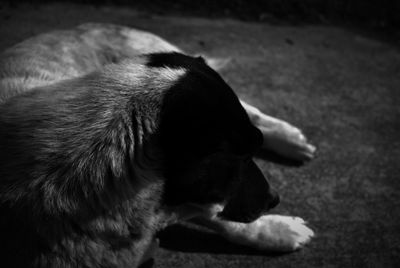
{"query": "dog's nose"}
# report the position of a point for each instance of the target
(273, 200)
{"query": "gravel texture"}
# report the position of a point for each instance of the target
(341, 87)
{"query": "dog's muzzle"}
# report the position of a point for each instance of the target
(252, 197)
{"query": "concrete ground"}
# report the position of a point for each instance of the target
(342, 88)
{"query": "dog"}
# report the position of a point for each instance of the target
(108, 134)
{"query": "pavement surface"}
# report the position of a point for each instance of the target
(341, 87)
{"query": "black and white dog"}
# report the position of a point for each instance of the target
(108, 134)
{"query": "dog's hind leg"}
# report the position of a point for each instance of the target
(280, 136)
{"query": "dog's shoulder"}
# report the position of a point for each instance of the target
(71, 165)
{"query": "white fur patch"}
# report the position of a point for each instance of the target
(269, 232)
(168, 75)
(136, 73)
(280, 136)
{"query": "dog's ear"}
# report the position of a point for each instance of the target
(187, 125)
(246, 141)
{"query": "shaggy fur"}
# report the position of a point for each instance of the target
(100, 147)
(87, 165)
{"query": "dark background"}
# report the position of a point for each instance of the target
(378, 14)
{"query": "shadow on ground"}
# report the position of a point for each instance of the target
(190, 239)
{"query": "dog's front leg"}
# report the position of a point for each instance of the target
(150, 251)
(269, 232)
(280, 136)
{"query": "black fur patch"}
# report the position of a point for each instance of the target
(174, 60)
(203, 129)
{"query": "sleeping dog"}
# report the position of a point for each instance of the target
(108, 134)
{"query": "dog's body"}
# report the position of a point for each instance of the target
(95, 157)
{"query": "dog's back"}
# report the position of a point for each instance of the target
(74, 52)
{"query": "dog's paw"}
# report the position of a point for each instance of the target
(279, 136)
(288, 141)
(270, 232)
(284, 233)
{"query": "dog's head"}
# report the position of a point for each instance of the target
(208, 143)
